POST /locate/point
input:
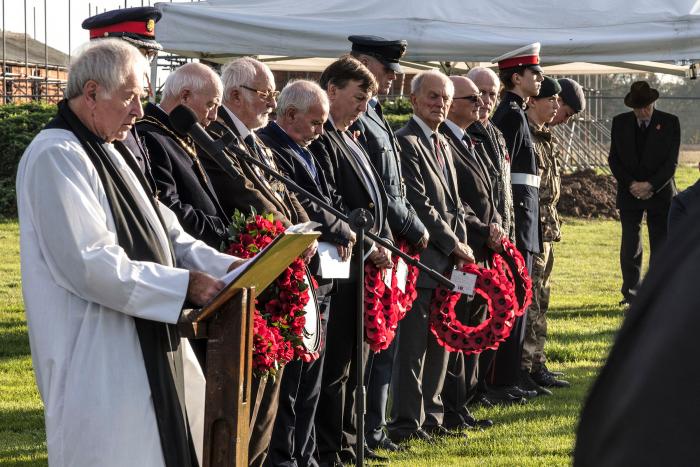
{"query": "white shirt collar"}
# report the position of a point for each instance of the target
(458, 132)
(242, 129)
(330, 119)
(426, 129)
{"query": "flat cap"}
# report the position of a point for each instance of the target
(572, 94)
(135, 25)
(527, 56)
(548, 88)
(386, 51)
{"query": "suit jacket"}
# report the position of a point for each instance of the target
(333, 229)
(241, 186)
(344, 175)
(379, 141)
(658, 161)
(475, 190)
(435, 199)
(181, 182)
(510, 118)
(492, 145)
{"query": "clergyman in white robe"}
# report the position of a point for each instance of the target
(80, 292)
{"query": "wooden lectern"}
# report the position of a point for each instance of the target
(227, 323)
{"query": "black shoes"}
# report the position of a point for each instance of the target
(500, 396)
(527, 383)
(547, 380)
(387, 445)
(373, 456)
(472, 422)
(419, 434)
(439, 430)
(556, 374)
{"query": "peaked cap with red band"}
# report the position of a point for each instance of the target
(135, 25)
(528, 57)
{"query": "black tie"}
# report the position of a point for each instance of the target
(378, 109)
(255, 148)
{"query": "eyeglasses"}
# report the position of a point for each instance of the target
(264, 95)
(473, 98)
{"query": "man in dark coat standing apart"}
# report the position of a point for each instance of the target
(643, 157)
(521, 76)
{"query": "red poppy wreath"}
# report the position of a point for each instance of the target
(386, 306)
(279, 309)
(500, 288)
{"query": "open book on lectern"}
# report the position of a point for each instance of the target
(263, 268)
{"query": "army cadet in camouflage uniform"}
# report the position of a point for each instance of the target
(541, 110)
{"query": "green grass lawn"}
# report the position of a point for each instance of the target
(583, 319)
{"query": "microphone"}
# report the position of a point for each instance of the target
(184, 121)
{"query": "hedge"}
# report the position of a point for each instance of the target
(18, 126)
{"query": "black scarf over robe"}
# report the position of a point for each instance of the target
(160, 342)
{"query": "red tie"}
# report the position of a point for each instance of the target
(438, 151)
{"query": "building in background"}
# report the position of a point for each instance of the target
(31, 71)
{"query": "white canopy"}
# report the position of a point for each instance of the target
(478, 30)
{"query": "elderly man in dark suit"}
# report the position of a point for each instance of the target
(421, 364)
(348, 169)
(643, 157)
(381, 57)
(181, 181)
(248, 99)
(302, 109)
(484, 236)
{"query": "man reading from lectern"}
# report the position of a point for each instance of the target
(106, 269)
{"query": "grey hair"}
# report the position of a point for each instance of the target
(475, 73)
(301, 94)
(108, 62)
(194, 77)
(241, 72)
(417, 81)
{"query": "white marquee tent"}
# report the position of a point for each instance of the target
(599, 31)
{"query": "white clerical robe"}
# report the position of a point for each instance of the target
(80, 292)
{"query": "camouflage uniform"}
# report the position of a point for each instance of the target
(548, 163)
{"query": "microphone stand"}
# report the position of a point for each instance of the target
(360, 220)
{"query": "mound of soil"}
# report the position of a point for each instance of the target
(588, 195)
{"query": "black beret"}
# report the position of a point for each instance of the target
(549, 87)
(387, 52)
(136, 25)
(572, 94)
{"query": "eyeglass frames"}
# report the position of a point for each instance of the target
(264, 95)
(473, 98)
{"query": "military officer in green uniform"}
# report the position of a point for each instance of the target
(540, 112)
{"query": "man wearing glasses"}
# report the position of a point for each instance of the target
(484, 234)
(249, 98)
(137, 26)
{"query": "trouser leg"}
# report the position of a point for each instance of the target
(506, 370)
(407, 414)
(378, 379)
(657, 224)
(631, 251)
